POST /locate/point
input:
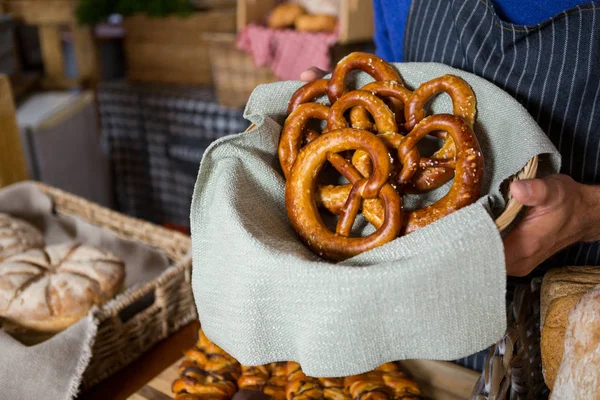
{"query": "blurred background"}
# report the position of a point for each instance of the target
(116, 100)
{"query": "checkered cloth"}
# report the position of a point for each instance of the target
(279, 49)
(156, 136)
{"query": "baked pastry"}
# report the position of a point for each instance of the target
(561, 290)
(381, 161)
(17, 236)
(207, 373)
(200, 378)
(284, 15)
(579, 373)
(43, 291)
(316, 23)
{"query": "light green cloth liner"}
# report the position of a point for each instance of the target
(435, 294)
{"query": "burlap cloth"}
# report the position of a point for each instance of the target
(53, 369)
(438, 293)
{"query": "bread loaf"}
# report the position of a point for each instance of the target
(284, 15)
(43, 291)
(579, 373)
(17, 236)
(316, 23)
(561, 290)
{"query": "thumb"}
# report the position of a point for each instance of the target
(312, 74)
(534, 192)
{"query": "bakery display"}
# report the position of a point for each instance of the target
(579, 374)
(17, 236)
(44, 291)
(289, 15)
(562, 289)
(316, 23)
(284, 15)
(370, 137)
(209, 372)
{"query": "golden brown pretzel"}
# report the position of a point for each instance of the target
(369, 63)
(468, 178)
(465, 189)
(464, 106)
(308, 92)
(294, 132)
(383, 116)
(463, 99)
(372, 65)
(301, 205)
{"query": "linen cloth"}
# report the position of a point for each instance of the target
(438, 293)
(155, 136)
(279, 49)
(53, 369)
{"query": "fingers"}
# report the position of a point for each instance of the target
(312, 74)
(538, 192)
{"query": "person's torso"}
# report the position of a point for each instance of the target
(551, 68)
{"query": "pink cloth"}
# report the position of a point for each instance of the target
(287, 52)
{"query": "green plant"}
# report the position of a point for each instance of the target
(91, 12)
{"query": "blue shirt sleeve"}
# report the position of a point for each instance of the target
(390, 21)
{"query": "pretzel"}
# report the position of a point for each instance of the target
(464, 106)
(294, 133)
(301, 205)
(308, 92)
(465, 189)
(468, 178)
(372, 65)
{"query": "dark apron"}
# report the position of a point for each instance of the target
(552, 69)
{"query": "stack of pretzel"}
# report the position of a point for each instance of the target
(370, 137)
(210, 373)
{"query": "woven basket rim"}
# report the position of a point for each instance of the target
(512, 207)
(176, 265)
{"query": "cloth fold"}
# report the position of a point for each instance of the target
(54, 368)
(279, 49)
(438, 293)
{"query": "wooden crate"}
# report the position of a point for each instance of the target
(52, 17)
(171, 49)
(355, 18)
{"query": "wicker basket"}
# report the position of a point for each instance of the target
(234, 74)
(514, 367)
(147, 315)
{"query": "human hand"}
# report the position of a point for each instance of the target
(312, 74)
(562, 212)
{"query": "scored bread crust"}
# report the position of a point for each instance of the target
(47, 290)
(17, 236)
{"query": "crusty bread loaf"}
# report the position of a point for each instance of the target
(561, 290)
(43, 291)
(17, 236)
(284, 15)
(579, 374)
(316, 23)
